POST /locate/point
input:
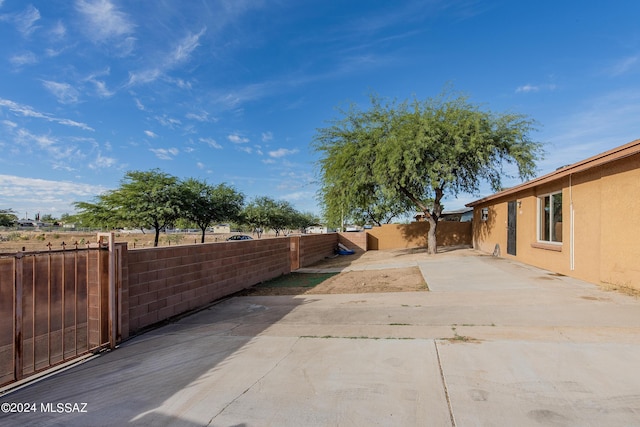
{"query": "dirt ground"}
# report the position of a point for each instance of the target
(14, 241)
(354, 282)
(351, 282)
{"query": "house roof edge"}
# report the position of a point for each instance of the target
(614, 154)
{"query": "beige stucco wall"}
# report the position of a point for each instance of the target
(606, 234)
(414, 235)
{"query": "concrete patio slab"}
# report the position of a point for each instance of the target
(549, 384)
(494, 343)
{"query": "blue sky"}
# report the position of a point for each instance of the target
(233, 91)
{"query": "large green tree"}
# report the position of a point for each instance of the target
(145, 199)
(206, 204)
(421, 151)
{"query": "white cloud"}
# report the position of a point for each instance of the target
(139, 104)
(101, 89)
(25, 21)
(247, 150)
(237, 139)
(26, 58)
(267, 136)
(211, 143)
(142, 77)
(185, 48)
(103, 22)
(100, 85)
(49, 145)
(58, 31)
(180, 54)
(203, 116)
(529, 88)
(268, 161)
(168, 121)
(42, 141)
(299, 195)
(200, 165)
(73, 123)
(27, 111)
(39, 195)
(281, 152)
(150, 134)
(625, 66)
(102, 162)
(64, 92)
(165, 153)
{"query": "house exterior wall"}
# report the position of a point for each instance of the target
(601, 201)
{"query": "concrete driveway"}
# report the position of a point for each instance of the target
(495, 343)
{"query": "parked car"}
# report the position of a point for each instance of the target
(239, 237)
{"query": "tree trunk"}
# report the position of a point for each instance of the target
(432, 244)
(157, 239)
(204, 229)
(432, 215)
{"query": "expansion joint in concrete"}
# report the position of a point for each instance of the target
(444, 385)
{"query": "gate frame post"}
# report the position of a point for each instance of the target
(112, 286)
(18, 349)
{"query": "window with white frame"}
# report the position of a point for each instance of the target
(550, 218)
(484, 214)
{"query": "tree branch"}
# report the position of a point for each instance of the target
(414, 199)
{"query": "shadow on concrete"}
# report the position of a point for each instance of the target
(141, 378)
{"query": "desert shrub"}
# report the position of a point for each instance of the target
(174, 238)
(13, 236)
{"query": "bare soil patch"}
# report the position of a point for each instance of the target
(352, 282)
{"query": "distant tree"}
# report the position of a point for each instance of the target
(7, 217)
(283, 216)
(422, 150)
(96, 215)
(302, 220)
(257, 214)
(49, 219)
(266, 213)
(145, 199)
(205, 204)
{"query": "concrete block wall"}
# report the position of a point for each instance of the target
(165, 282)
(356, 241)
(316, 247)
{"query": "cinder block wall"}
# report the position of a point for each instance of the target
(356, 241)
(165, 282)
(316, 247)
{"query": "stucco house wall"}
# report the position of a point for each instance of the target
(600, 231)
